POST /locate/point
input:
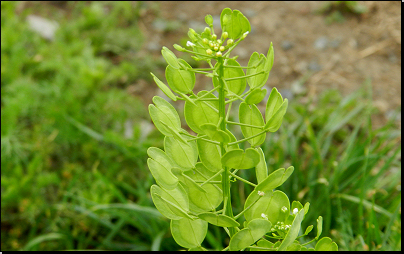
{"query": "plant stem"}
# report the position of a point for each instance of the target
(242, 140)
(225, 175)
(242, 179)
(244, 124)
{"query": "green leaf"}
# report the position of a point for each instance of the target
(199, 248)
(203, 112)
(326, 244)
(256, 96)
(210, 155)
(259, 80)
(251, 115)
(162, 174)
(214, 133)
(293, 231)
(234, 86)
(184, 155)
(164, 88)
(219, 220)
(173, 204)
(319, 226)
(296, 204)
(234, 23)
(264, 243)
(182, 81)
(163, 111)
(270, 204)
(238, 159)
(261, 170)
(174, 133)
(189, 233)
(249, 235)
(275, 179)
(295, 246)
(170, 58)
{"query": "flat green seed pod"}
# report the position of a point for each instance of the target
(293, 231)
(256, 96)
(326, 244)
(204, 112)
(261, 170)
(219, 220)
(189, 233)
(163, 111)
(185, 155)
(177, 205)
(234, 86)
(234, 23)
(182, 81)
(162, 174)
(210, 155)
(271, 205)
(164, 88)
(256, 81)
(170, 58)
(273, 104)
(275, 122)
(240, 159)
(250, 114)
(270, 59)
(249, 235)
(275, 179)
(214, 133)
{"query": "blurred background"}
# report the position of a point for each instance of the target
(76, 83)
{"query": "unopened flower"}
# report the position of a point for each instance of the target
(218, 54)
(229, 41)
(205, 41)
(295, 211)
(284, 209)
(245, 34)
(264, 216)
(214, 36)
(225, 35)
(221, 48)
(261, 193)
(209, 51)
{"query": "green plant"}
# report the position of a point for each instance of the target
(335, 10)
(190, 192)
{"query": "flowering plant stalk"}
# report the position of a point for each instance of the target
(194, 172)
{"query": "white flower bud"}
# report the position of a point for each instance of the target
(211, 44)
(219, 42)
(284, 209)
(225, 35)
(229, 41)
(209, 52)
(205, 41)
(295, 211)
(261, 193)
(216, 48)
(214, 36)
(264, 216)
(245, 34)
(221, 48)
(218, 54)
(207, 30)
(190, 44)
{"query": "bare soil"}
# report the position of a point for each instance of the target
(336, 55)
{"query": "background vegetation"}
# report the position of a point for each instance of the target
(74, 140)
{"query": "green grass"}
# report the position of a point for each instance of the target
(72, 180)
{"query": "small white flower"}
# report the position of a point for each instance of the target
(295, 211)
(284, 209)
(246, 33)
(263, 215)
(287, 226)
(190, 44)
(261, 193)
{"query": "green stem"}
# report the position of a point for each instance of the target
(244, 124)
(246, 76)
(245, 139)
(225, 174)
(208, 180)
(242, 212)
(242, 179)
(206, 94)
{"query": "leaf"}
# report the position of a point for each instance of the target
(174, 133)
(270, 59)
(261, 170)
(210, 155)
(204, 112)
(251, 115)
(214, 133)
(170, 58)
(295, 246)
(319, 226)
(182, 81)
(270, 204)
(238, 159)
(234, 86)
(259, 80)
(234, 23)
(162, 174)
(163, 111)
(249, 235)
(273, 104)
(275, 179)
(326, 244)
(293, 231)
(256, 96)
(184, 155)
(173, 204)
(219, 220)
(164, 88)
(189, 233)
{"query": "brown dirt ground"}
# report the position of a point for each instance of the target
(368, 45)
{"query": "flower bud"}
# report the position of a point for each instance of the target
(205, 41)
(295, 211)
(225, 35)
(221, 48)
(178, 47)
(218, 54)
(211, 44)
(284, 209)
(209, 20)
(229, 41)
(207, 30)
(192, 34)
(214, 36)
(209, 52)
(216, 48)
(190, 44)
(245, 34)
(219, 41)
